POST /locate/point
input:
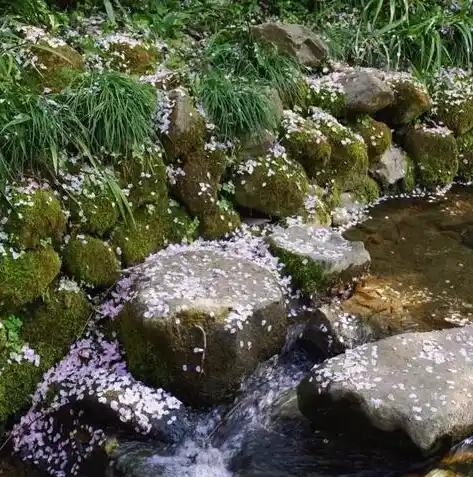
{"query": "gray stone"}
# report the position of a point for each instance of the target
(350, 210)
(201, 319)
(332, 331)
(365, 92)
(259, 145)
(420, 383)
(318, 257)
(295, 40)
(391, 167)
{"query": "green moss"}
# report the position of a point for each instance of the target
(307, 276)
(310, 148)
(56, 67)
(33, 218)
(147, 177)
(182, 226)
(275, 186)
(55, 323)
(25, 278)
(223, 221)
(409, 182)
(349, 160)
(410, 101)
(152, 226)
(367, 192)
(465, 156)
(91, 261)
(435, 155)
(96, 216)
(132, 59)
(198, 187)
(377, 135)
(324, 94)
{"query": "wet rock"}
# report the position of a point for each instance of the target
(419, 383)
(390, 168)
(318, 258)
(435, 154)
(411, 100)
(365, 92)
(200, 321)
(295, 40)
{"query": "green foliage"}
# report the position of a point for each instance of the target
(31, 11)
(116, 110)
(10, 339)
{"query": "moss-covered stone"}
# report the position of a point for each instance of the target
(316, 211)
(409, 182)
(24, 277)
(34, 217)
(349, 160)
(435, 155)
(411, 100)
(367, 192)
(273, 185)
(325, 93)
(377, 135)
(55, 66)
(223, 221)
(145, 178)
(139, 58)
(197, 187)
(453, 100)
(91, 261)
(306, 144)
(52, 326)
(465, 157)
(147, 235)
(181, 226)
(187, 130)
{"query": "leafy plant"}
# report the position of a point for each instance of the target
(10, 338)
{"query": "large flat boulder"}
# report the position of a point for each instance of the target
(201, 319)
(420, 383)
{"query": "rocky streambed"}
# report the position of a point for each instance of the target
(373, 380)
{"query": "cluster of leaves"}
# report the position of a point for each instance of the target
(10, 338)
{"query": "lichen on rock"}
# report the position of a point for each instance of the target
(91, 261)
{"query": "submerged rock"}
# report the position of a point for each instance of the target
(318, 258)
(200, 321)
(295, 40)
(420, 383)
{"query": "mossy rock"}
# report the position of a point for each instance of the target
(147, 235)
(25, 277)
(56, 66)
(435, 155)
(465, 157)
(411, 100)
(275, 186)
(409, 183)
(182, 227)
(220, 223)
(187, 130)
(349, 160)
(377, 135)
(147, 181)
(136, 59)
(453, 100)
(306, 144)
(367, 192)
(198, 187)
(53, 324)
(94, 216)
(326, 94)
(35, 217)
(91, 261)
(316, 210)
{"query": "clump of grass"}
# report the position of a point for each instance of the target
(116, 110)
(237, 106)
(29, 11)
